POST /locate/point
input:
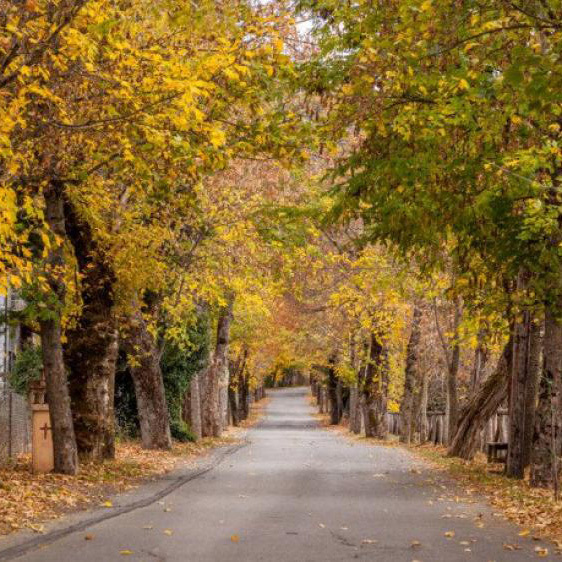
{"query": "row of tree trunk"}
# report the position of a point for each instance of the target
(80, 371)
(527, 378)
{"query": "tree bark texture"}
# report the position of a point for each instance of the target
(547, 440)
(58, 395)
(375, 388)
(522, 375)
(195, 395)
(335, 414)
(212, 415)
(149, 384)
(481, 407)
(411, 379)
(92, 346)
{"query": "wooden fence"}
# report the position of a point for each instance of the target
(496, 429)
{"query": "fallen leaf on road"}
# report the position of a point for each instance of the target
(416, 544)
(235, 538)
(464, 543)
(508, 546)
(107, 504)
(449, 534)
(168, 532)
(88, 537)
(541, 551)
(369, 541)
(167, 509)
(524, 533)
(148, 527)
(125, 552)
(321, 525)
(37, 528)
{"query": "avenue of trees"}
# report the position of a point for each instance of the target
(206, 194)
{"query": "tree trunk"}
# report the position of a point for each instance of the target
(212, 422)
(411, 379)
(234, 410)
(525, 364)
(423, 425)
(532, 389)
(354, 410)
(452, 373)
(58, 396)
(332, 394)
(547, 442)
(480, 358)
(92, 345)
(244, 394)
(375, 391)
(195, 392)
(149, 385)
(481, 407)
(452, 358)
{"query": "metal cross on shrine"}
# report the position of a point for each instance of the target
(44, 429)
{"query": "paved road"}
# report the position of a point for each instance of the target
(301, 493)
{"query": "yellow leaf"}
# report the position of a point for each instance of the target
(125, 552)
(450, 534)
(107, 504)
(235, 538)
(168, 532)
(524, 533)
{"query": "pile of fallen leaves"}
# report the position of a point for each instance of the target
(27, 500)
(533, 508)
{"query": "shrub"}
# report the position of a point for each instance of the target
(27, 368)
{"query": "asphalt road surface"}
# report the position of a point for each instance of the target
(298, 492)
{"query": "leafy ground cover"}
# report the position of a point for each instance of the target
(534, 509)
(29, 500)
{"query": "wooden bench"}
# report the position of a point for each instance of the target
(497, 451)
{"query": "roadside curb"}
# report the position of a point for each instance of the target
(22, 548)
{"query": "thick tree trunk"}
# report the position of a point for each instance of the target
(58, 396)
(375, 390)
(525, 364)
(91, 349)
(481, 407)
(212, 416)
(411, 379)
(195, 392)
(149, 385)
(532, 389)
(547, 442)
